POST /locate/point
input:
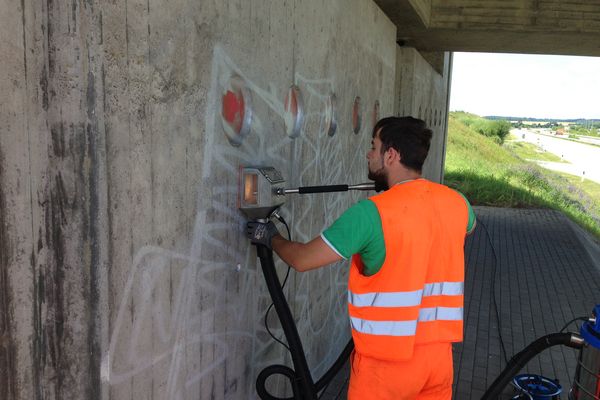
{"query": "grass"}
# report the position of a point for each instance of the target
(494, 175)
(591, 188)
(529, 151)
(587, 191)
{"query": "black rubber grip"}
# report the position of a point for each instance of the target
(322, 189)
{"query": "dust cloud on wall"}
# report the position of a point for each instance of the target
(124, 270)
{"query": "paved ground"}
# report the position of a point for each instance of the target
(541, 272)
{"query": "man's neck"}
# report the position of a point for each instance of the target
(402, 175)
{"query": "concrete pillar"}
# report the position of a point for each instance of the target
(422, 91)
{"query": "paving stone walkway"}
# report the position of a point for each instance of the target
(531, 268)
(527, 274)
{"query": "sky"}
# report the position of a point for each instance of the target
(523, 85)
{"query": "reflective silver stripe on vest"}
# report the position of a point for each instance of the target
(405, 299)
(385, 299)
(406, 328)
(390, 328)
(444, 289)
(441, 314)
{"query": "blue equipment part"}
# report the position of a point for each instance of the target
(586, 384)
(590, 330)
(536, 387)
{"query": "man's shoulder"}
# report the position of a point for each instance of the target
(364, 206)
(450, 190)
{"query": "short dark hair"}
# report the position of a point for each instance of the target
(408, 136)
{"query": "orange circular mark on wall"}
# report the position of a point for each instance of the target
(236, 112)
(294, 112)
(356, 116)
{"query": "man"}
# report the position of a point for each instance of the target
(405, 287)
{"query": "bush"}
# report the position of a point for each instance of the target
(497, 129)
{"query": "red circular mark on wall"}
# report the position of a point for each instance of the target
(236, 110)
(233, 110)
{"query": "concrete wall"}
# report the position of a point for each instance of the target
(124, 271)
(422, 91)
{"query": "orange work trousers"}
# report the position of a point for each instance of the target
(427, 376)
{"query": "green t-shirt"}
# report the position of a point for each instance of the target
(358, 231)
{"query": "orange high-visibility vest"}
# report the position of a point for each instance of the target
(417, 295)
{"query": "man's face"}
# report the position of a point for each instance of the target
(377, 172)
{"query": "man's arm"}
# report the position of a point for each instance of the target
(472, 223)
(470, 231)
(304, 256)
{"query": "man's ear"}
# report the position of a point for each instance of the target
(391, 156)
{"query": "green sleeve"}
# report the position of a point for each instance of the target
(472, 219)
(358, 231)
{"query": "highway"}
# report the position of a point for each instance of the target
(583, 159)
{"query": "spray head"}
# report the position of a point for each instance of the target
(262, 191)
(259, 195)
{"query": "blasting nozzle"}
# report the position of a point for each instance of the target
(363, 186)
(326, 189)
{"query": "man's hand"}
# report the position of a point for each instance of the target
(261, 233)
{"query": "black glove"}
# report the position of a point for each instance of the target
(261, 233)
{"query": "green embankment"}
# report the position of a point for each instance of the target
(529, 151)
(495, 175)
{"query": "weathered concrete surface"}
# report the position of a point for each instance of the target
(124, 271)
(53, 189)
(423, 92)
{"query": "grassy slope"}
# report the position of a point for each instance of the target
(529, 151)
(490, 174)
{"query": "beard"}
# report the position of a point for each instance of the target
(380, 177)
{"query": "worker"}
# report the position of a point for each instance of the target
(406, 279)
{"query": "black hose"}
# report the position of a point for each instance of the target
(336, 367)
(306, 385)
(519, 360)
(272, 370)
(303, 386)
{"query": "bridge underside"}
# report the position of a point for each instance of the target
(513, 26)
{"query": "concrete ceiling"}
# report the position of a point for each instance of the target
(503, 26)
